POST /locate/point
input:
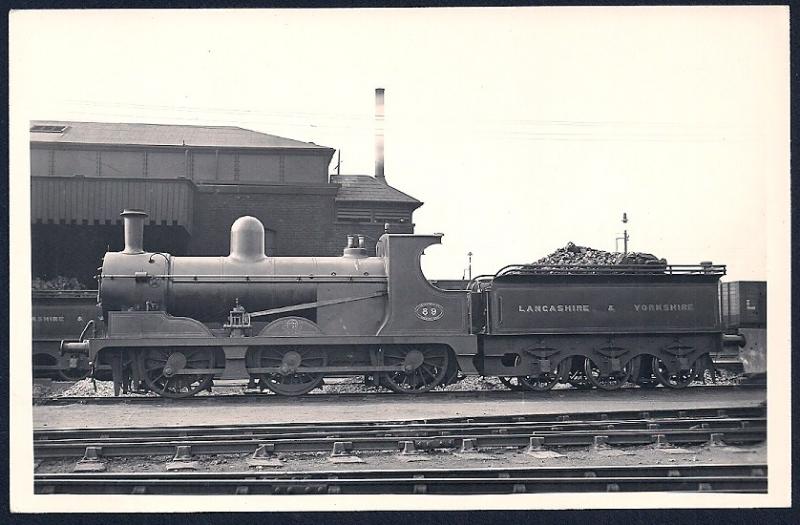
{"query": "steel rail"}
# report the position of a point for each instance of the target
(664, 416)
(750, 478)
(413, 430)
(377, 443)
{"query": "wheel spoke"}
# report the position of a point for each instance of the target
(422, 372)
(154, 360)
(292, 383)
(425, 375)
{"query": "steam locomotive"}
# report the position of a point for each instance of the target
(171, 325)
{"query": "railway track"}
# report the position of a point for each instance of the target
(499, 395)
(739, 478)
(661, 428)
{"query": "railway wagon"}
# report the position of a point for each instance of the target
(59, 315)
(744, 312)
(173, 324)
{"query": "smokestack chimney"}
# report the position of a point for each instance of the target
(379, 135)
(133, 224)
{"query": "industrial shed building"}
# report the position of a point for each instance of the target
(193, 181)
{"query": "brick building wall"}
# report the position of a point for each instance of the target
(194, 182)
(298, 220)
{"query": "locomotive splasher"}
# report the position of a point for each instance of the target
(173, 324)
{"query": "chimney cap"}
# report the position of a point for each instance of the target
(133, 212)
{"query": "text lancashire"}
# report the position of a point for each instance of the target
(545, 308)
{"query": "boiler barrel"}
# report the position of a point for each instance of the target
(207, 288)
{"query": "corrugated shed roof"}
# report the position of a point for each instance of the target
(163, 135)
(364, 188)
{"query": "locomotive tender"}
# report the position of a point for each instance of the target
(173, 324)
(58, 314)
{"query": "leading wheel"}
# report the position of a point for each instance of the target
(613, 381)
(167, 371)
(289, 381)
(424, 367)
(680, 380)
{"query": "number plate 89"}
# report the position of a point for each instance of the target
(429, 311)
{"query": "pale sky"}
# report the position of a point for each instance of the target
(521, 129)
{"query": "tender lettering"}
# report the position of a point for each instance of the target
(48, 319)
(674, 307)
(544, 308)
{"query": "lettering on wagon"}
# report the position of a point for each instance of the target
(675, 307)
(554, 308)
(48, 319)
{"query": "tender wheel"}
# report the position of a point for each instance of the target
(609, 382)
(642, 374)
(512, 383)
(546, 380)
(424, 367)
(290, 382)
(677, 381)
(165, 370)
(577, 376)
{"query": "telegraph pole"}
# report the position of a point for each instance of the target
(624, 235)
(469, 265)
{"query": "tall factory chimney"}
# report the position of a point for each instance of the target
(379, 135)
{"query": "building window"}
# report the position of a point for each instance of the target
(381, 216)
(354, 214)
(392, 216)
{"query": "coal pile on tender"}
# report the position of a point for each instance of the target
(574, 255)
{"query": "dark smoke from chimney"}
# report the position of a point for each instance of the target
(379, 135)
